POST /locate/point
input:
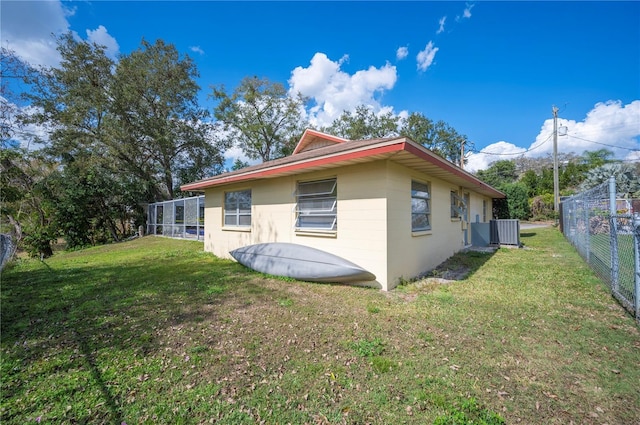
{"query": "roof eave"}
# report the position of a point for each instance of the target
(337, 159)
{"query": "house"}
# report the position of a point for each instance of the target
(389, 205)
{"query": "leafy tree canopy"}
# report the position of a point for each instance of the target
(499, 173)
(627, 177)
(260, 117)
(363, 123)
(123, 134)
(438, 137)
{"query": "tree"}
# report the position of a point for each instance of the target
(571, 175)
(420, 129)
(449, 142)
(260, 117)
(531, 180)
(23, 178)
(595, 159)
(626, 175)
(158, 130)
(13, 71)
(75, 99)
(499, 173)
(541, 207)
(124, 134)
(363, 123)
(517, 200)
(239, 164)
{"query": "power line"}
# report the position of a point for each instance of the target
(605, 144)
(517, 153)
(547, 139)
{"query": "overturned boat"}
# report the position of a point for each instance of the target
(300, 262)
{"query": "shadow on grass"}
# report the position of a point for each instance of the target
(110, 400)
(82, 317)
(528, 234)
(461, 265)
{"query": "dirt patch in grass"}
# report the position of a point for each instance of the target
(456, 268)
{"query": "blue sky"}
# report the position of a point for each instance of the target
(492, 70)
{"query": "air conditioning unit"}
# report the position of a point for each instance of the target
(505, 232)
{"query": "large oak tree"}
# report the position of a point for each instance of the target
(124, 133)
(260, 117)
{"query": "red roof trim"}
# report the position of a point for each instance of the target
(296, 166)
(388, 146)
(442, 163)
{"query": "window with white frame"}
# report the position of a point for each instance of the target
(420, 206)
(237, 208)
(484, 210)
(316, 205)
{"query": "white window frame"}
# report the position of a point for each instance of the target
(234, 210)
(306, 211)
(422, 196)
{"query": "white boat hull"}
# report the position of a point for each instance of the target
(300, 262)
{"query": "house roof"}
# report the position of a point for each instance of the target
(318, 151)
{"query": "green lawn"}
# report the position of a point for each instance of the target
(157, 331)
(600, 251)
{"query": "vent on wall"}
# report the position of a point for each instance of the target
(505, 232)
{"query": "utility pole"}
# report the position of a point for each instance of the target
(462, 154)
(556, 184)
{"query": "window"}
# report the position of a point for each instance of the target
(420, 208)
(317, 205)
(237, 208)
(484, 210)
(458, 206)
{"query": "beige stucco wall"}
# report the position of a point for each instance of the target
(374, 220)
(475, 207)
(412, 253)
(360, 238)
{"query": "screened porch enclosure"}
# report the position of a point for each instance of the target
(179, 218)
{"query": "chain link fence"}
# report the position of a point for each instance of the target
(606, 232)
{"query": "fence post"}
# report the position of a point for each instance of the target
(636, 263)
(587, 220)
(613, 235)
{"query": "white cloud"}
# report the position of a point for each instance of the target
(27, 27)
(219, 133)
(402, 53)
(467, 11)
(441, 23)
(633, 156)
(101, 37)
(334, 91)
(609, 125)
(425, 57)
(196, 49)
(25, 135)
(481, 161)
(235, 152)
